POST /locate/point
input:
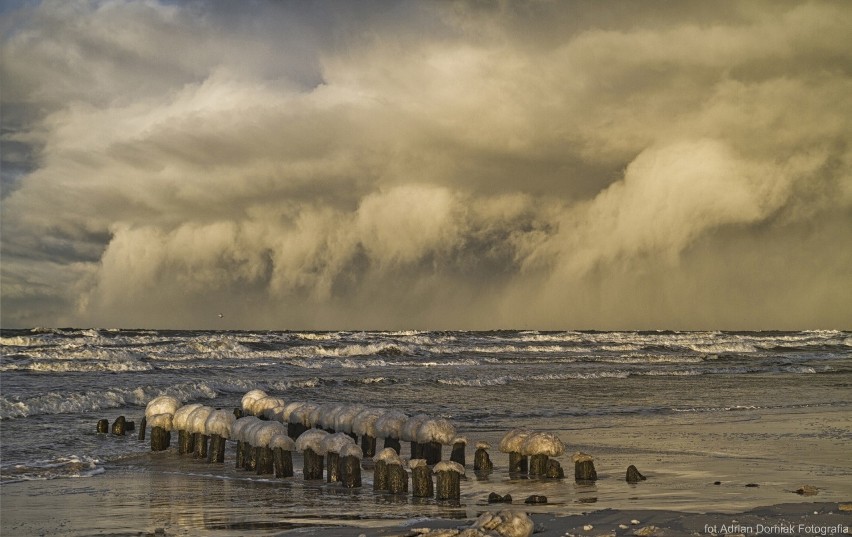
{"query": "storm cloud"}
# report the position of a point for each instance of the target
(462, 165)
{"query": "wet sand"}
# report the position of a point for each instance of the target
(133, 502)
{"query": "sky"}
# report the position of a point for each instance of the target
(426, 165)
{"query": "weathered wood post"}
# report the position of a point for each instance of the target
(238, 431)
(539, 447)
(186, 440)
(397, 477)
(142, 427)
(432, 435)
(388, 426)
(309, 444)
(282, 452)
(380, 470)
(408, 433)
(633, 475)
(331, 446)
(196, 424)
(103, 426)
(421, 479)
(511, 444)
(350, 466)
(118, 426)
(218, 425)
(161, 437)
(163, 408)
(260, 439)
(458, 452)
(448, 483)
(481, 461)
(584, 467)
(364, 425)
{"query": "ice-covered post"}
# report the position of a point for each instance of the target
(432, 435)
(196, 425)
(161, 436)
(380, 470)
(397, 476)
(584, 467)
(261, 436)
(282, 454)
(350, 465)
(421, 479)
(309, 444)
(186, 440)
(238, 434)
(300, 417)
(481, 461)
(448, 482)
(539, 447)
(330, 447)
(218, 426)
(408, 433)
(364, 425)
(161, 406)
(248, 401)
(511, 444)
(389, 426)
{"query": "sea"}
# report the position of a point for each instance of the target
(702, 414)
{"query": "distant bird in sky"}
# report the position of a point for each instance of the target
(221, 315)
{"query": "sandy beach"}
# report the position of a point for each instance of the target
(127, 502)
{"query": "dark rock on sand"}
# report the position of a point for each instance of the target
(536, 498)
(807, 490)
(496, 498)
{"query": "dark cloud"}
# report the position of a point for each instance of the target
(409, 164)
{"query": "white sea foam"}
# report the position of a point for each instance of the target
(72, 466)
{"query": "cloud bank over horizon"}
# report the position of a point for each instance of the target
(447, 165)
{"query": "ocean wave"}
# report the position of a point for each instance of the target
(62, 467)
(65, 402)
(68, 366)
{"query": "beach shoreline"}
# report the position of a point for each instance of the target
(131, 500)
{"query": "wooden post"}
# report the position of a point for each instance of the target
(118, 426)
(380, 476)
(143, 424)
(265, 461)
(554, 469)
(481, 461)
(350, 471)
(633, 475)
(160, 439)
(332, 471)
(431, 451)
(200, 446)
(538, 465)
(584, 468)
(313, 464)
(393, 443)
(216, 452)
(368, 445)
(103, 426)
(448, 486)
(421, 480)
(458, 453)
(517, 463)
(397, 479)
(283, 462)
